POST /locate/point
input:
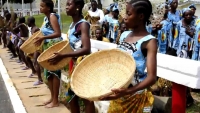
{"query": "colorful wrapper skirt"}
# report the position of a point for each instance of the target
(48, 73)
(138, 103)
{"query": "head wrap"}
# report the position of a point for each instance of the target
(111, 5)
(108, 8)
(192, 6)
(185, 9)
(170, 1)
(115, 8)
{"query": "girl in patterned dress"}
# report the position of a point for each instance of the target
(193, 8)
(114, 25)
(79, 40)
(163, 33)
(184, 40)
(122, 28)
(52, 34)
(106, 21)
(143, 48)
(174, 16)
(196, 52)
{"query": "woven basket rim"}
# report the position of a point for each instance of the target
(91, 55)
(49, 49)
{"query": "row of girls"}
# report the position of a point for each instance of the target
(138, 42)
(142, 46)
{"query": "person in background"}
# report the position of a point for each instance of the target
(196, 52)
(74, 9)
(174, 16)
(95, 17)
(95, 12)
(11, 37)
(4, 23)
(114, 25)
(24, 34)
(52, 35)
(163, 33)
(122, 28)
(193, 8)
(195, 18)
(185, 29)
(7, 16)
(99, 35)
(107, 11)
(34, 29)
(106, 21)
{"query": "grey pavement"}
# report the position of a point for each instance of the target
(5, 103)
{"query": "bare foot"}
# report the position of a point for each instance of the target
(47, 102)
(51, 105)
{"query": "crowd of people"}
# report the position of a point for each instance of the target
(177, 34)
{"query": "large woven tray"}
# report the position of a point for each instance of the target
(28, 46)
(102, 71)
(60, 47)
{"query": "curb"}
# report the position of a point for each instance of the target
(17, 104)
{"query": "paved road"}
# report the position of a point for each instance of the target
(5, 104)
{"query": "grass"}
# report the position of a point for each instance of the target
(66, 20)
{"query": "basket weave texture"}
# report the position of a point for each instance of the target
(102, 71)
(28, 46)
(62, 47)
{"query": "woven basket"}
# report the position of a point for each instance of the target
(102, 71)
(28, 46)
(60, 47)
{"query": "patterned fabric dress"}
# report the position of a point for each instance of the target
(172, 31)
(113, 29)
(196, 52)
(107, 18)
(66, 94)
(183, 43)
(163, 37)
(48, 30)
(94, 21)
(142, 100)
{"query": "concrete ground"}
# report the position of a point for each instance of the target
(31, 97)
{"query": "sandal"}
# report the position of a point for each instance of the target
(31, 75)
(25, 68)
(37, 83)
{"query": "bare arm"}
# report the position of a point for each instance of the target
(36, 30)
(151, 47)
(85, 38)
(18, 26)
(56, 27)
